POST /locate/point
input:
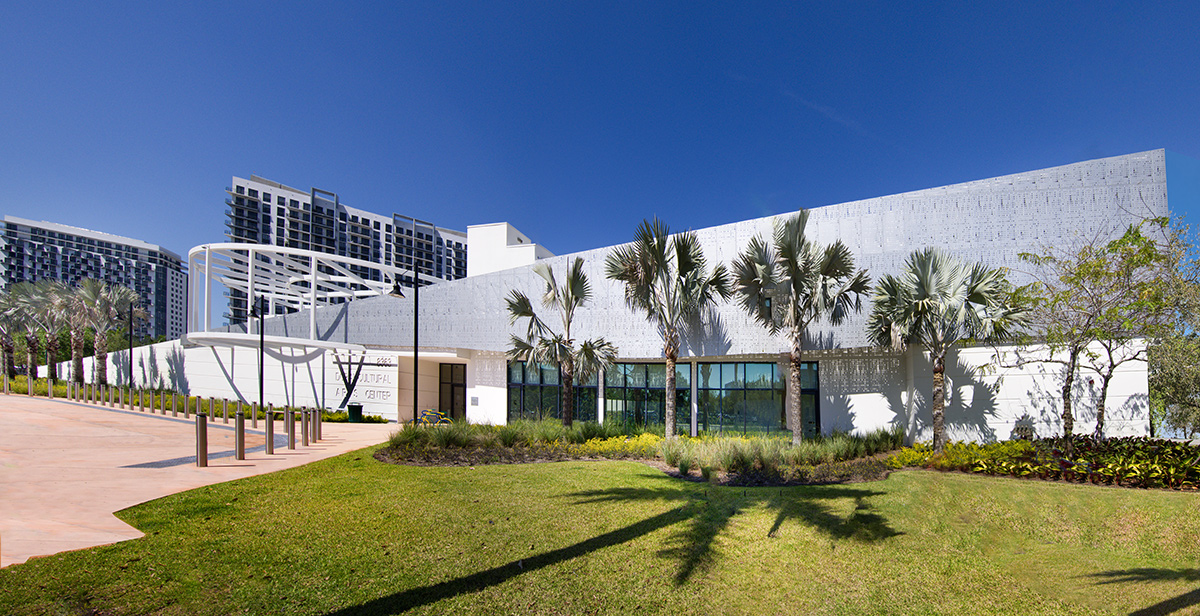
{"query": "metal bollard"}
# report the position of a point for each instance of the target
(174, 406)
(201, 441)
(289, 419)
(320, 422)
(304, 427)
(270, 444)
(199, 405)
(225, 409)
(212, 408)
(239, 436)
(141, 401)
(313, 418)
(254, 415)
(49, 388)
(186, 409)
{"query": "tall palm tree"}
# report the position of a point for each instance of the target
(542, 344)
(666, 277)
(938, 301)
(76, 309)
(8, 326)
(793, 282)
(55, 319)
(29, 311)
(108, 308)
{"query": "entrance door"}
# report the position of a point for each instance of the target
(452, 391)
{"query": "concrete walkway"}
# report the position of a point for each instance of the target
(65, 467)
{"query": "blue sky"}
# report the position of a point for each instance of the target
(573, 121)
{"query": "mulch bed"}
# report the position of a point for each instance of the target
(851, 471)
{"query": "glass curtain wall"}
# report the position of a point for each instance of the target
(750, 398)
(635, 395)
(534, 393)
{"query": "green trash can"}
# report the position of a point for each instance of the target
(355, 411)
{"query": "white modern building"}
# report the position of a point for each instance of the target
(262, 211)
(39, 250)
(731, 374)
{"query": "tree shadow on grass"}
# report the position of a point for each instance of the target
(710, 510)
(425, 595)
(705, 512)
(1146, 574)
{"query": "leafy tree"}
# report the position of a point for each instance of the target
(666, 278)
(937, 302)
(1110, 293)
(792, 282)
(542, 344)
(1174, 359)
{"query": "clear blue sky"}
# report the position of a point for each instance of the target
(571, 120)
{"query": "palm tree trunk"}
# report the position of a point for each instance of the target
(939, 401)
(101, 358)
(10, 355)
(77, 356)
(669, 399)
(52, 357)
(31, 349)
(568, 393)
(793, 399)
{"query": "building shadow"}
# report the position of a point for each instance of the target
(700, 515)
(1146, 574)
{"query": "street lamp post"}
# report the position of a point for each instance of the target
(130, 346)
(257, 309)
(397, 292)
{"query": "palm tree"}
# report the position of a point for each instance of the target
(8, 326)
(28, 309)
(72, 304)
(108, 308)
(542, 344)
(793, 282)
(667, 278)
(55, 319)
(938, 301)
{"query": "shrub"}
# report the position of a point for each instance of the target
(510, 435)
(410, 435)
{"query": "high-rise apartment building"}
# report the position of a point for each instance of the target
(32, 250)
(261, 211)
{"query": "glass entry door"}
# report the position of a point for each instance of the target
(452, 391)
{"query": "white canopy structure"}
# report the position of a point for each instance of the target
(293, 279)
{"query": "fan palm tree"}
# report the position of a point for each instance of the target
(108, 308)
(542, 344)
(8, 326)
(938, 301)
(666, 277)
(793, 282)
(72, 304)
(55, 319)
(29, 309)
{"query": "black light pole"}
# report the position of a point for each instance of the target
(131, 346)
(258, 310)
(397, 292)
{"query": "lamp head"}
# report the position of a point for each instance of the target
(397, 291)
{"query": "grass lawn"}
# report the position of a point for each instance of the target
(351, 535)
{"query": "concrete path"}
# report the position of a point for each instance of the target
(65, 467)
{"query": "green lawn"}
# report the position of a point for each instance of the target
(350, 535)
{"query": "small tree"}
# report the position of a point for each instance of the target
(542, 344)
(666, 278)
(939, 301)
(793, 282)
(1111, 293)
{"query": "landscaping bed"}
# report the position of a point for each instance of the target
(1133, 462)
(719, 460)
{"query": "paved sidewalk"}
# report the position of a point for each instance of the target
(65, 467)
